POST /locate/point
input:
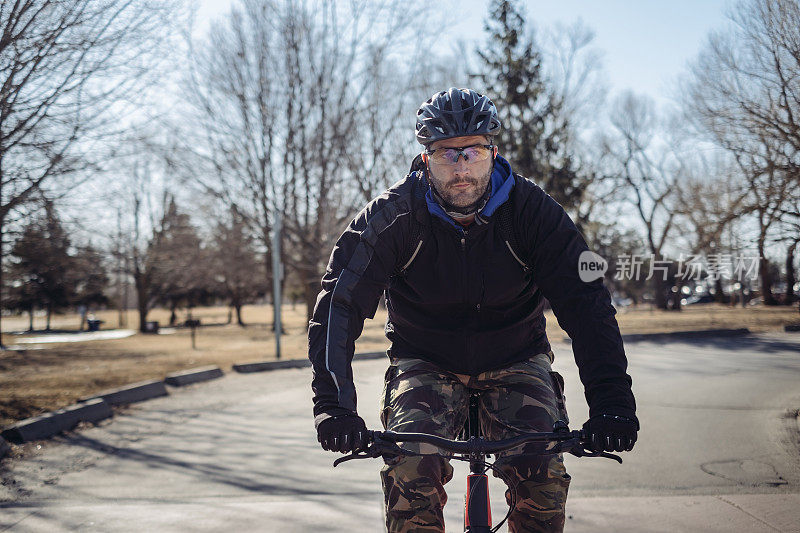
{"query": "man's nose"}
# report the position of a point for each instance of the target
(461, 167)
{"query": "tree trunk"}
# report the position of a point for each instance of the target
(659, 292)
(763, 271)
(141, 300)
(2, 229)
(30, 318)
(790, 275)
(142, 318)
(676, 296)
(766, 282)
(49, 314)
(230, 315)
(719, 291)
(173, 316)
(238, 307)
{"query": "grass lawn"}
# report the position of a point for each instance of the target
(41, 377)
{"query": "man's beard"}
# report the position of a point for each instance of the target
(458, 208)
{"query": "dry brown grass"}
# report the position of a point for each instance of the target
(49, 376)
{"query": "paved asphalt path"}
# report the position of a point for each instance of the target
(719, 451)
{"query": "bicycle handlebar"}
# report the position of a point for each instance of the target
(385, 443)
(474, 445)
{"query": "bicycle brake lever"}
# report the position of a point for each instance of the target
(376, 449)
(578, 449)
(350, 457)
(370, 452)
(583, 452)
(613, 456)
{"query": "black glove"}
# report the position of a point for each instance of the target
(611, 433)
(345, 433)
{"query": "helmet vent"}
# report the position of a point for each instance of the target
(467, 119)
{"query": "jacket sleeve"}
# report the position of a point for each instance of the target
(360, 265)
(583, 310)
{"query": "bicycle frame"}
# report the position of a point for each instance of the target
(477, 507)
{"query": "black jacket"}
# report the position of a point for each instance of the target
(465, 303)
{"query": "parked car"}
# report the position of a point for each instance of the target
(698, 299)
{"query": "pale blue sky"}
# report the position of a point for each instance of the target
(646, 44)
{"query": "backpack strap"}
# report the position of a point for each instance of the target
(504, 220)
(419, 223)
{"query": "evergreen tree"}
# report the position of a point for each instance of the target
(21, 294)
(237, 269)
(535, 131)
(182, 273)
(91, 277)
(42, 267)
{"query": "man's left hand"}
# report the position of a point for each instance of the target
(611, 433)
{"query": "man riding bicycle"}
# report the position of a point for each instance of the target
(466, 252)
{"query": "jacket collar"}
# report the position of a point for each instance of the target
(502, 182)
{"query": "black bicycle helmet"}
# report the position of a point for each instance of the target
(456, 113)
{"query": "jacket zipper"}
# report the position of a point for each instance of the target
(464, 264)
(467, 342)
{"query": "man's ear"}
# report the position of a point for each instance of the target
(494, 150)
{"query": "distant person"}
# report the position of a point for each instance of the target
(466, 252)
(82, 309)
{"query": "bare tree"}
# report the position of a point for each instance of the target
(164, 255)
(66, 69)
(790, 236)
(284, 91)
(573, 68)
(744, 92)
(747, 79)
(647, 175)
(711, 195)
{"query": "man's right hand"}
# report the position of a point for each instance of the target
(344, 433)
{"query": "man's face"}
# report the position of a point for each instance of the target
(463, 183)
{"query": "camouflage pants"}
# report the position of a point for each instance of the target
(525, 397)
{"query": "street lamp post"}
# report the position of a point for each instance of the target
(277, 276)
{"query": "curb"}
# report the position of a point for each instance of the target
(194, 375)
(696, 334)
(4, 448)
(265, 366)
(676, 335)
(92, 411)
(136, 392)
(370, 355)
(49, 424)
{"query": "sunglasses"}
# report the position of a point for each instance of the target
(472, 154)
